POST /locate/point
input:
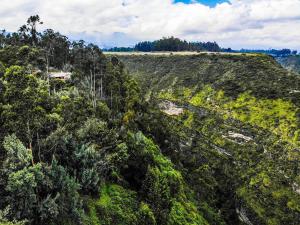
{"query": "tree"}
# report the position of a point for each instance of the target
(294, 52)
(37, 192)
(32, 22)
(2, 70)
(2, 38)
(23, 34)
(175, 44)
(4, 221)
(20, 182)
(24, 108)
(56, 49)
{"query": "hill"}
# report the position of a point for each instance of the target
(155, 139)
(231, 127)
(291, 62)
(71, 148)
(234, 73)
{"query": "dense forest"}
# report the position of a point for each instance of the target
(72, 151)
(105, 146)
(170, 44)
(233, 131)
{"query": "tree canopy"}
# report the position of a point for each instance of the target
(99, 147)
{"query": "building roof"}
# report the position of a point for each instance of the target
(63, 75)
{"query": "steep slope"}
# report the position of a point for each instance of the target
(71, 153)
(234, 74)
(236, 135)
(255, 79)
(291, 62)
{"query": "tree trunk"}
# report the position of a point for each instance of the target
(101, 87)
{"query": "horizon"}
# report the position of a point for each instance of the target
(240, 49)
(236, 24)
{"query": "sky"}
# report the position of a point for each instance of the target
(233, 23)
(211, 3)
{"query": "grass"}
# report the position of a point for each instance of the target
(177, 53)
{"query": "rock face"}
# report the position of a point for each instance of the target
(170, 108)
(239, 138)
(243, 216)
(296, 188)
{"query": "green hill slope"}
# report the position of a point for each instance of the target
(231, 125)
(291, 62)
(234, 74)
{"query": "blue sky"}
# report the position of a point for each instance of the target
(240, 24)
(210, 3)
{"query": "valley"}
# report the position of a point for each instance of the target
(168, 132)
(234, 122)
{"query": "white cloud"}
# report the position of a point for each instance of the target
(242, 23)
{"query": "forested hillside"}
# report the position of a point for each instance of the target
(291, 62)
(166, 140)
(232, 128)
(72, 151)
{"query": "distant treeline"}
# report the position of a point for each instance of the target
(175, 45)
(120, 49)
(170, 44)
(273, 52)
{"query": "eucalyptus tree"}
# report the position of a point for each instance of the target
(32, 23)
(24, 107)
(2, 38)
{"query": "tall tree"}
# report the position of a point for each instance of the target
(2, 38)
(32, 23)
(24, 110)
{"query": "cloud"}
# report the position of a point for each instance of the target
(240, 23)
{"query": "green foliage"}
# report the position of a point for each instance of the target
(162, 183)
(117, 159)
(95, 130)
(83, 159)
(175, 44)
(158, 190)
(146, 215)
(234, 74)
(73, 109)
(86, 160)
(5, 221)
(27, 56)
(22, 186)
(184, 213)
(37, 192)
(233, 150)
(291, 62)
(236, 142)
(17, 156)
(24, 107)
(116, 205)
(201, 98)
(2, 69)
(277, 115)
(73, 130)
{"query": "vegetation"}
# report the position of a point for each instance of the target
(99, 149)
(273, 52)
(291, 62)
(236, 141)
(170, 44)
